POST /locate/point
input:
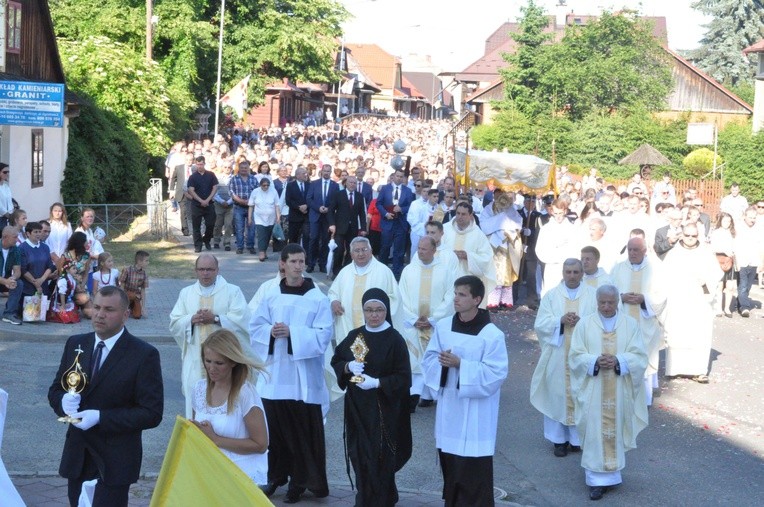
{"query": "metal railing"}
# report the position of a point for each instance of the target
(125, 221)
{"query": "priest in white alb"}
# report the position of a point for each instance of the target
(501, 223)
(557, 241)
(640, 281)
(206, 306)
(559, 312)
(427, 295)
(607, 367)
(345, 294)
(465, 364)
(471, 246)
(594, 275)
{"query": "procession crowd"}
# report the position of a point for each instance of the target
(417, 265)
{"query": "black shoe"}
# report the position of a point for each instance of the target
(217, 247)
(561, 450)
(309, 269)
(425, 403)
(239, 250)
(575, 448)
(252, 251)
(293, 494)
(596, 492)
(322, 270)
(186, 233)
(197, 249)
(207, 245)
(320, 493)
(227, 249)
(413, 401)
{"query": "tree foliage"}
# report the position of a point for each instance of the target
(700, 162)
(736, 24)
(613, 63)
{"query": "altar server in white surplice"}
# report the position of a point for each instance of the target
(8, 493)
(640, 281)
(463, 237)
(206, 306)
(346, 292)
(465, 365)
(290, 332)
(427, 295)
(607, 368)
(560, 311)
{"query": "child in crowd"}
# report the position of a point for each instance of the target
(106, 274)
(63, 307)
(134, 280)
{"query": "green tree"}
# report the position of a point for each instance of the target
(736, 24)
(700, 162)
(744, 157)
(613, 63)
(521, 77)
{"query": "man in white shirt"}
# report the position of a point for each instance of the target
(734, 203)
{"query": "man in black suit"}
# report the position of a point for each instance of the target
(364, 188)
(297, 200)
(347, 219)
(319, 193)
(177, 186)
(123, 397)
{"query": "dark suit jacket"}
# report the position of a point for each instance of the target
(661, 244)
(178, 181)
(315, 197)
(129, 393)
(367, 192)
(342, 216)
(385, 202)
(294, 199)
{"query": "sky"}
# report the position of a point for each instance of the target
(453, 32)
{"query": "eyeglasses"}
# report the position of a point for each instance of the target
(690, 235)
(418, 186)
(374, 310)
(360, 250)
(206, 270)
(760, 207)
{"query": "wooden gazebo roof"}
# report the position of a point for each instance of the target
(645, 155)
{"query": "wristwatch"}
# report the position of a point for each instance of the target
(216, 320)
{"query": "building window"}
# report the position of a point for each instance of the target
(38, 164)
(14, 27)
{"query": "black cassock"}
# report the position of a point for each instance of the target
(377, 421)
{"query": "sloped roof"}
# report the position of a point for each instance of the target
(486, 68)
(426, 82)
(645, 155)
(755, 48)
(377, 64)
(482, 92)
(353, 67)
(409, 90)
(708, 79)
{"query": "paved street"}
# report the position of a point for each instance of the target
(704, 444)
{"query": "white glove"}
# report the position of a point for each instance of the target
(526, 232)
(355, 367)
(70, 403)
(368, 383)
(89, 419)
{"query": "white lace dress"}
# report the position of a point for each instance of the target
(232, 426)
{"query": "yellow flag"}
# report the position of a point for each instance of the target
(195, 472)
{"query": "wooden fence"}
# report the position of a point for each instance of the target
(711, 191)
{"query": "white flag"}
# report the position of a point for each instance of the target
(236, 98)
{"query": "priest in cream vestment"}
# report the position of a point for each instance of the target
(501, 223)
(463, 237)
(639, 280)
(206, 306)
(559, 312)
(427, 295)
(607, 368)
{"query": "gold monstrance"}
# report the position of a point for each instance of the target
(74, 381)
(359, 350)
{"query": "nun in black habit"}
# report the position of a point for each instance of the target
(377, 417)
